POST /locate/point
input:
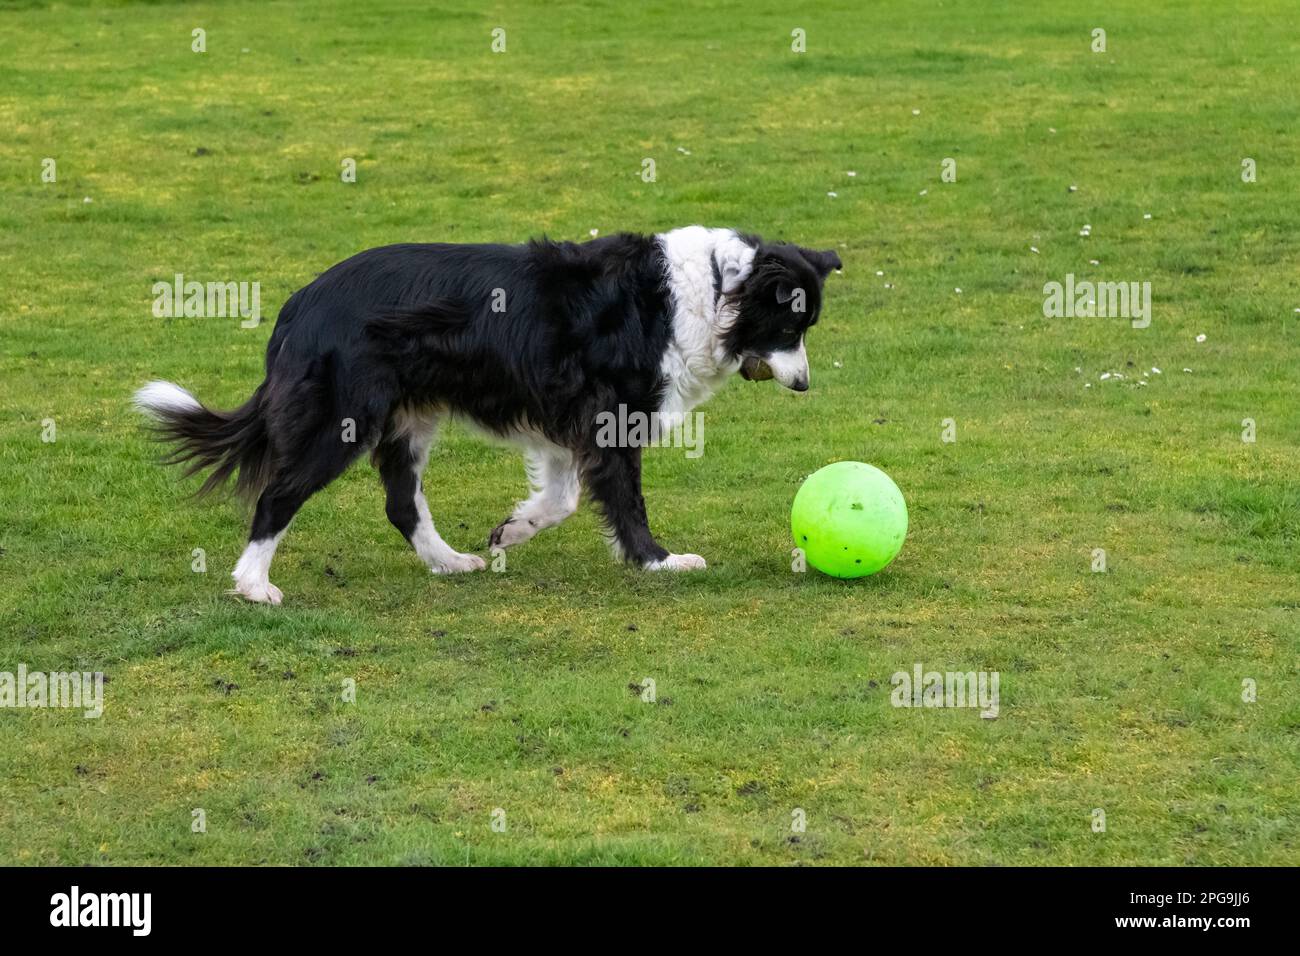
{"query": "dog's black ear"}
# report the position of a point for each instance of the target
(784, 293)
(823, 262)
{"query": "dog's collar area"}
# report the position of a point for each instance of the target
(717, 283)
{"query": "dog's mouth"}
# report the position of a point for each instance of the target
(753, 369)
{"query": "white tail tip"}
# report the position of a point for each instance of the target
(158, 398)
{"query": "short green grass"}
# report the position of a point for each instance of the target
(1120, 691)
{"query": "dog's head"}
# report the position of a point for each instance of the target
(777, 297)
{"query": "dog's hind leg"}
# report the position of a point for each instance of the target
(553, 474)
(313, 451)
(401, 457)
(276, 507)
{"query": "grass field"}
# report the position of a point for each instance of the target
(1120, 691)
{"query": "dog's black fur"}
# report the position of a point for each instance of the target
(584, 329)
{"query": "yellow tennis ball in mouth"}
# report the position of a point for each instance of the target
(849, 519)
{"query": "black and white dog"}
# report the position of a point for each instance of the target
(530, 343)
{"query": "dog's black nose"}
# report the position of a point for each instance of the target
(799, 385)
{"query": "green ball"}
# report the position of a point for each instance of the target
(849, 518)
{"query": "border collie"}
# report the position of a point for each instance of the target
(528, 342)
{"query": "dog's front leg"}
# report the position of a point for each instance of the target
(613, 478)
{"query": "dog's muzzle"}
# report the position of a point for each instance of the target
(755, 369)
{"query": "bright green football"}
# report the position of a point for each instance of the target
(849, 518)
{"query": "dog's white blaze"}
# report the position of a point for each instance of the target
(790, 366)
(159, 397)
(695, 364)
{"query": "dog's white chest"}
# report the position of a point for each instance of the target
(693, 366)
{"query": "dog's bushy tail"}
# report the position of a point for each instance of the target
(230, 443)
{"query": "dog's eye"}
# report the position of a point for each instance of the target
(789, 331)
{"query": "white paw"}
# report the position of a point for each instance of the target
(678, 562)
(458, 564)
(263, 592)
(512, 532)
